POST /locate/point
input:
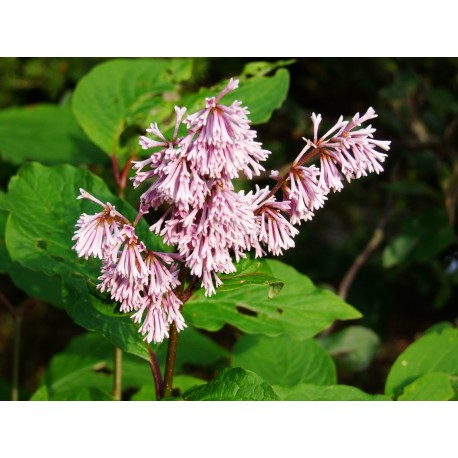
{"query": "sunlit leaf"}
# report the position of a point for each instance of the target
(283, 361)
(300, 309)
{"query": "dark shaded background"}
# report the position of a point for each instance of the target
(413, 201)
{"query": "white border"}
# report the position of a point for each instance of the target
(228, 429)
(236, 28)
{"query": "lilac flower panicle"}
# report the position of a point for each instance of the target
(220, 142)
(207, 237)
(211, 225)
(350, 152)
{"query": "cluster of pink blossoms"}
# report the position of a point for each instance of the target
(210, 224)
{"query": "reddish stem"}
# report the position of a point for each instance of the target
(115, 166)
(123, 176)
(173, 339)
(156, 371)
(307, 157)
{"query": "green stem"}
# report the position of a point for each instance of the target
(117, 382)
(16, 348)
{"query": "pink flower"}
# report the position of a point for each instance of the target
(352, 151)
(161, 279)
(143, 285)
(126, 254)
(147, 143)
(121, 288)
(330, 177)
(176, 180)
(304, 193)
(220, 142)
(95, 232)
(206, 237)
(274, 229)
(177, 183)
(160, 313)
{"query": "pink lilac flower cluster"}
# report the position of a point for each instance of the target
(207, 221)
(142, 281)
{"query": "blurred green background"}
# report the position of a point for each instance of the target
(406, 284)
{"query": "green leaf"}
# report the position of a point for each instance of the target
(233, 385)
(438, 327)
(75, 394)
(43, 211)
(283, 361)
(193, 349)
(251, 272)
(145, 393)
(353, 348)
(84, 371)
(84, 309)
(46, 133)
(434, 386)
(180, 382)
(263, 68)
(116, 98)
(5, 260)
(44, 208)
(68, 372)
(35, 284)
(308, 392)
(420, 239)
(261, 94)
(398, 250)
(431, 353)
(300, 309)
(5, 390)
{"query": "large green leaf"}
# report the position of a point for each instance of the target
(44, 208)
(233, 385)
(353, 348)
(43, 211)
(35, 284)
(84, 370)
(283, 361)
(300, 309)
(84, 308)
(431, 353)
(261, 94)
(434, 386)
(122, 93)
(116, 100)
(309, 392)
(45, 133)
(69, 372)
